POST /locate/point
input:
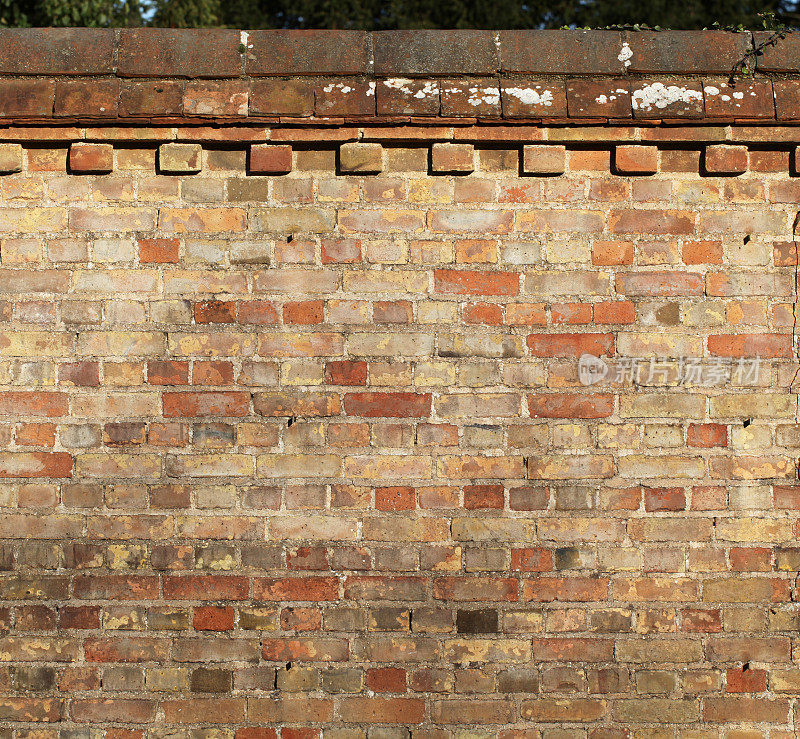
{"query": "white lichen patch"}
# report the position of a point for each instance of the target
(244, 39)
(398, 83)
(481, 95)
(340, 86)
(659, 95)
(711, 90)
(625, 54)
(403, 85)
(530, 95)
(427, 89)
(370, 89)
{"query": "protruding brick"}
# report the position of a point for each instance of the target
(358, 158)
(725, 159)
(180, 158)
(270, 159)
(84, 157)
(10, 158)
(453, 158)
(636, 159)
(544, 159)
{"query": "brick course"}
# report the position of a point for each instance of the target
(293, 438)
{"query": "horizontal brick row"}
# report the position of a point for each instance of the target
(363, 158)
(707, 100)
(369, 158)
(141, 52)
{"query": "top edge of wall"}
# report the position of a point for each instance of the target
(226, 53)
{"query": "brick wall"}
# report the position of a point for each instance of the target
(295, 440)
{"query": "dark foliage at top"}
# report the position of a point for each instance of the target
(409, 14)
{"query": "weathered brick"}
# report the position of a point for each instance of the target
(361, 158)
(10, 158)
(269, 159)
(636, 159)
(180, 158)
(91, 157)
(725, 159)
(448, 158)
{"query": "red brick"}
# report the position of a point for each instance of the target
(636, 159)
(341, 251)
(571, 313)
(458, 158)
(468, 282)
(213, 618)
(707, 434)
(22, 98)
(612, 252)
(161, 98)
(36, 434)
(205, 587)
(750, 345)
(483, 313)
(664, 499)
(270, 159)
(346, 372)
(573, 589)
(477, 497)
(476, 588)
(725, 159)
(142, 52)
(258, 312)
(702, 620)
(159, 251)
(301, 619)
(79, 374)
(617, 311)
(35, 464)
(396, 498)
(531, 559)
(657, 222)
(215, 311)
(33, 403)
(386, 679)
(296, 588)
(168, 372)
(305, 313)
(702, 252)
(388, 405)
(91, 157)
(79, 617)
